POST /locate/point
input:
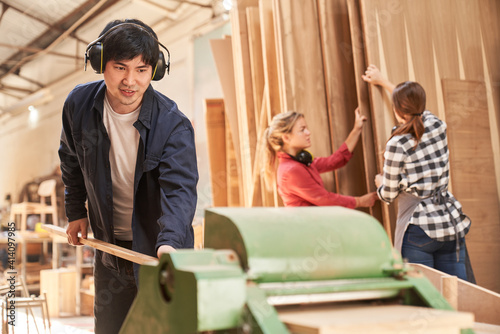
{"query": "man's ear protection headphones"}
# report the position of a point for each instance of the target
(304, 157)
(94, 54)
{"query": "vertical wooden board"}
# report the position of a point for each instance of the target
(341, 96)
(474, 183)
(472, 298)
(233, 176)
(216, 142)
(385, 46)
(419, 37)
(267, 197)
(444, 41)
(468, 32)
(244, 95)
(223, 57)
(490, 33)
(258, 83)
(256, 60)
(273, 98)
(301, 76)
(355, 50)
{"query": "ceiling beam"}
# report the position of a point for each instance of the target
(18, 89)
(35, 50)
(36, 18)
(79, 15)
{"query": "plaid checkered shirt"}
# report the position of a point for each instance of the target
(423, 172)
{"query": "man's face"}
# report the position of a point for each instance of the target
(126, 82)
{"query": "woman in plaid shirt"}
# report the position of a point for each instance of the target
(431, 226)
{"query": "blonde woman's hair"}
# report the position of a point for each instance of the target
(273, 140)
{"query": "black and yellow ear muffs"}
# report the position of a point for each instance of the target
(94, 51)
(305, 157)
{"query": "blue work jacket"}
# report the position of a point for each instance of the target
(166, 171)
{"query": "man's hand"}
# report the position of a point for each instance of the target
(80, 225)
(165, 249)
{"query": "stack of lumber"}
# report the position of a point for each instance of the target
(309, 56)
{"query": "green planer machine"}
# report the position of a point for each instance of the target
(262, 268)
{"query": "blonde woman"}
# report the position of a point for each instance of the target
(298, 174)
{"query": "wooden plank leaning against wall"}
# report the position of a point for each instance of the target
(300, 69)
(223, 57)
(473, 180)
(244, 95)
(355, 50)
(340, 83)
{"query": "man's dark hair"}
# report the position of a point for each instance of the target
(129, 41)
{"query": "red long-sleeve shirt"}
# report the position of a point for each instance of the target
(300, 185)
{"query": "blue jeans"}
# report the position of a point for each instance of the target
(418, 247)
(114, 293)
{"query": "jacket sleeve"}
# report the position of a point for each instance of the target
(392, 181)
(75, 193)
(299, 182)
(335, 161)
(178, 179)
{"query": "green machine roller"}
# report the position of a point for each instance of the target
(258, 259)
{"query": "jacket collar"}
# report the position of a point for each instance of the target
(99, 98)
(147, 107)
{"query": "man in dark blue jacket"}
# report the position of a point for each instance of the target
(128, 155)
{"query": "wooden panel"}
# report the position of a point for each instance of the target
(199, 234)
(244, 95)
(223, 57)
(383, 29)
(483, 303)
(216, 142)
(381, 319)
(272, 98)
(471, 168)
(234, 197)
(385, 46)
(355, 50)
(60, 288)
(270, 63)
(258, 87)
(302, 84)
(490, 36)
(418, 30)
(443, 38)
(340, 85)
(256, 61)
(468, 34)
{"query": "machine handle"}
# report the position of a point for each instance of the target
(121, 252)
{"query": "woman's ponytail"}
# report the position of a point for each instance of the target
(409, 100)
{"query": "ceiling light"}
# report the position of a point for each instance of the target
(34, 116)
(221, 7)
(227, 4)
